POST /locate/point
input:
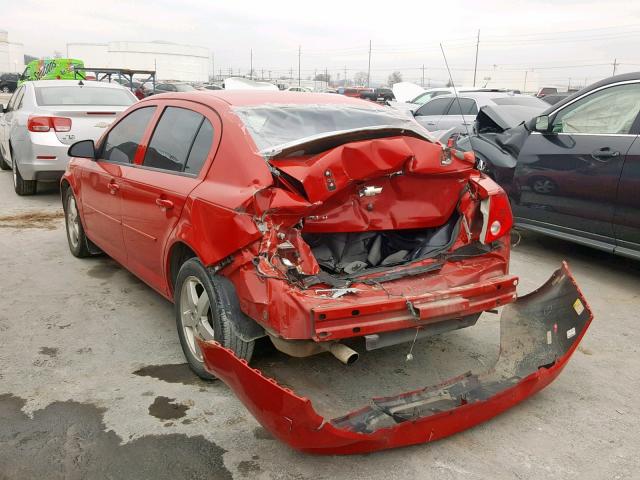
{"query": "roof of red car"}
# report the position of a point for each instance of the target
(258, 97)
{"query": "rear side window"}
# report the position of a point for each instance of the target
(123, 140)
(463, 106)
(172, 139)
(200, 148)
(437, 106)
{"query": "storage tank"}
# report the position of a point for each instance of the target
(11, 54)
(170, 60)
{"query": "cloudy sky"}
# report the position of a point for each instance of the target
(553, 41)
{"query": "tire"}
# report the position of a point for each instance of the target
(76, 238)
(21, 186)
(212, 321)
(3, 163)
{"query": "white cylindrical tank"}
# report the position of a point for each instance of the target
(171, 61)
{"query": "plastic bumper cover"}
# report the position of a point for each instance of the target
(539, 333)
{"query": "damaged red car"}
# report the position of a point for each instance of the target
(326, 224)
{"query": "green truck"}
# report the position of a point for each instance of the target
(51, 69)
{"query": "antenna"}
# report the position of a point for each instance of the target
(455, 92)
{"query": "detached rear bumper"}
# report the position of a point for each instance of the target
(539, 332)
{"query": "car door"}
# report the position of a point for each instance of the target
(567, 179)
(461, 115)
(626, 222)
(155, 191)
(429, 114)
(8, 120)
(100, 190)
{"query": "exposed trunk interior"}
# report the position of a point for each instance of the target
(352, 253)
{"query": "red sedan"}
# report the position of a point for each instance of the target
(311, 219)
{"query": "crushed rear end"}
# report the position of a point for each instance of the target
(382, 236)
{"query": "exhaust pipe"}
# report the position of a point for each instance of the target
(346, 355)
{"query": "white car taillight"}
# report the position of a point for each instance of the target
(44, 124)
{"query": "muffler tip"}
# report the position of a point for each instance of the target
(346, 355)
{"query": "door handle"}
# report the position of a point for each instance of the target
(604, 154)
(164, 203)
(113, 187)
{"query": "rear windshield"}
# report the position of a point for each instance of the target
(275, 126)
(524, 101)
(83, 95)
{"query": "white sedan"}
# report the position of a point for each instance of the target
(43, 118)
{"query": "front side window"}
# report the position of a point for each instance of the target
(437, 106)
(609, 111)
(123, 140)
(172, 139)
(14, 98)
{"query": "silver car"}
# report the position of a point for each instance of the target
(445, 112)
(43, 118)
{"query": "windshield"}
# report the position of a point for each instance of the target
(83, 95)
(523, 100)
(274, 126)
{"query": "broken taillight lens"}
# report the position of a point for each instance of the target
(44, 124)
(497, 219)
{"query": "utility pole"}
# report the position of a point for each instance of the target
(369, 68)
(475, 68)
(422, 84)
(269, 74)
(569, 86)
(220, 73)
(213, 64)
(524, 88)
(251, 68)
(299, 55)
(326, 77)
(262, 74)
(291, 73)
(615, 65)
(345, 75)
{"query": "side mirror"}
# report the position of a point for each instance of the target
(83, 149)
(542, 124)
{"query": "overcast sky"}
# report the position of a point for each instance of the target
(552, 40)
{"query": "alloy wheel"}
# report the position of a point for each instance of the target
(195, 314)
(73, 222)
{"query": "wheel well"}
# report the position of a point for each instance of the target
(180, 253)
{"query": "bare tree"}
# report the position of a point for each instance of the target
(360, 78)
(395, 77)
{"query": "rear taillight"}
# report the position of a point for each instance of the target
(497, 219)
(44, 124)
